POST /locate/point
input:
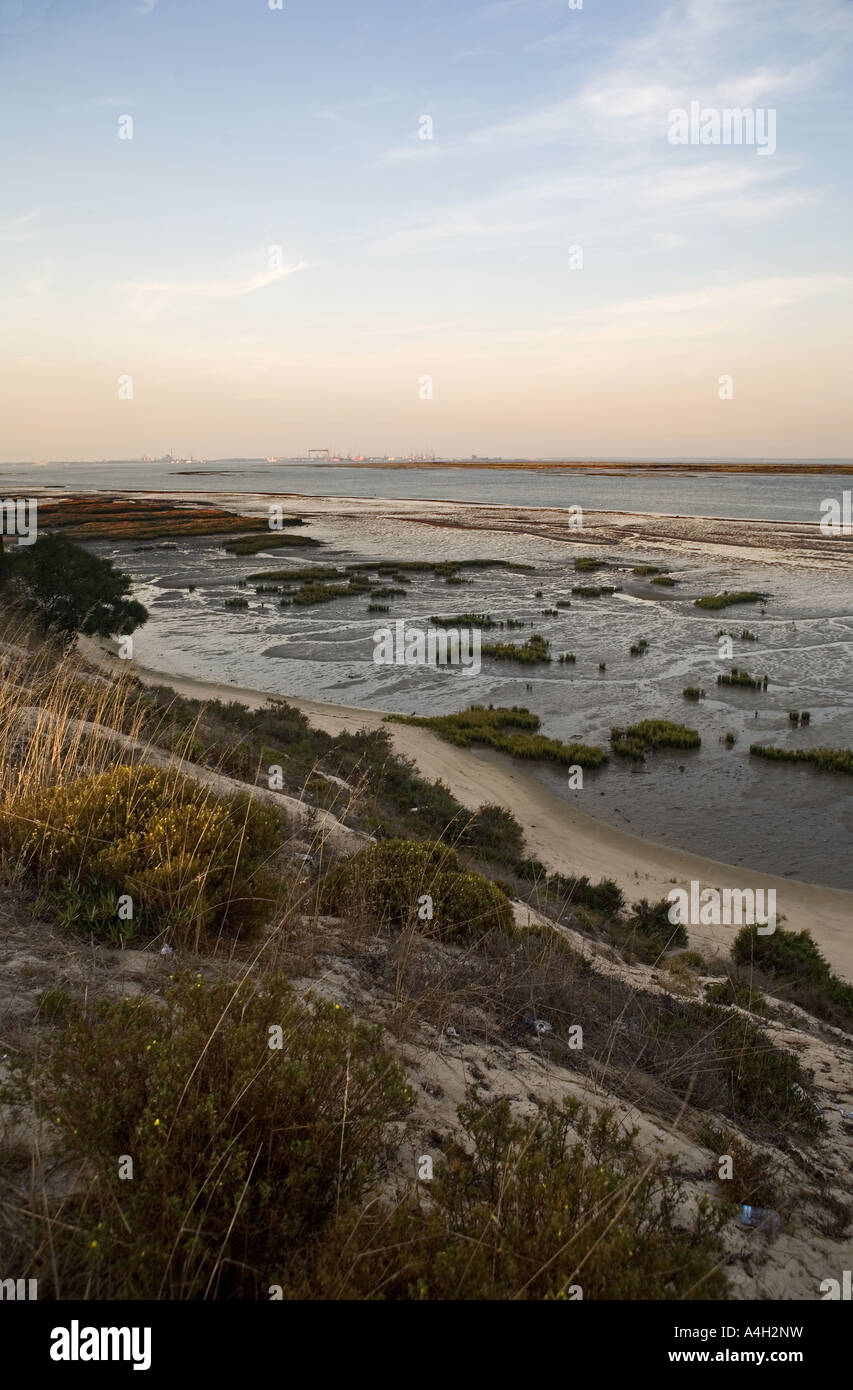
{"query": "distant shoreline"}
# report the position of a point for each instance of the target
(580, 466)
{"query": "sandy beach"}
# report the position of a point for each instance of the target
(565, 839)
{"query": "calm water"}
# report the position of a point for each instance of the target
(789, 497)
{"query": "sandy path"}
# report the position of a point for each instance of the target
(565, 839)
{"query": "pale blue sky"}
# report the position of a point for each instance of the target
(403, 258)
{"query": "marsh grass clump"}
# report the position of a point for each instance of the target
(308, 574)
(309, 594)
(480, 620)
(727, 599)
(191, 862)
(535, 649)
(824, 759)
(742, 678)
(531, 1209)
(586, 563)
(242, 1151)
(388, 879)
(665, 581)
(593, 590)
(693, 692)
(256, 544)
(634, 740)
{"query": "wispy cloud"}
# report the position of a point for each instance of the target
(150, 298)
(20, 228)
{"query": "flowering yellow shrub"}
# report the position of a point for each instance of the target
(190, 862)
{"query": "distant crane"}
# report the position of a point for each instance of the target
(318, 454)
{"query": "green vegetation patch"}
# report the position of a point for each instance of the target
(635, 740)
(480, 620)
(252, 545)
(509, 730)
(534, 650)
(742, 678)
(585, 563)
(727, 599)
(824, 759)
(388, 879)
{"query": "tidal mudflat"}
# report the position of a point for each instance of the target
(716, 800)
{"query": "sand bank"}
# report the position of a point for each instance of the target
(565, 839)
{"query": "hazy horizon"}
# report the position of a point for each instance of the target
(674, 459)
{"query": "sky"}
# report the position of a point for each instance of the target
(233, 230)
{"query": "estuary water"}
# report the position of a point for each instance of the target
(752, 496)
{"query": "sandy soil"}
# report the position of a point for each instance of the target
(565, 839)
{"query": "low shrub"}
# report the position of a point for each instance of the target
(533, 1209)
(387, 879)
(651, 922)
(242, 1152)
(794, 961)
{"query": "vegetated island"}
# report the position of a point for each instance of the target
(727, 600)
(824, 759)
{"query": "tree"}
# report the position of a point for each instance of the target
(73, 591)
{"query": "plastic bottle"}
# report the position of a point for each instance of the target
(762, 1218)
